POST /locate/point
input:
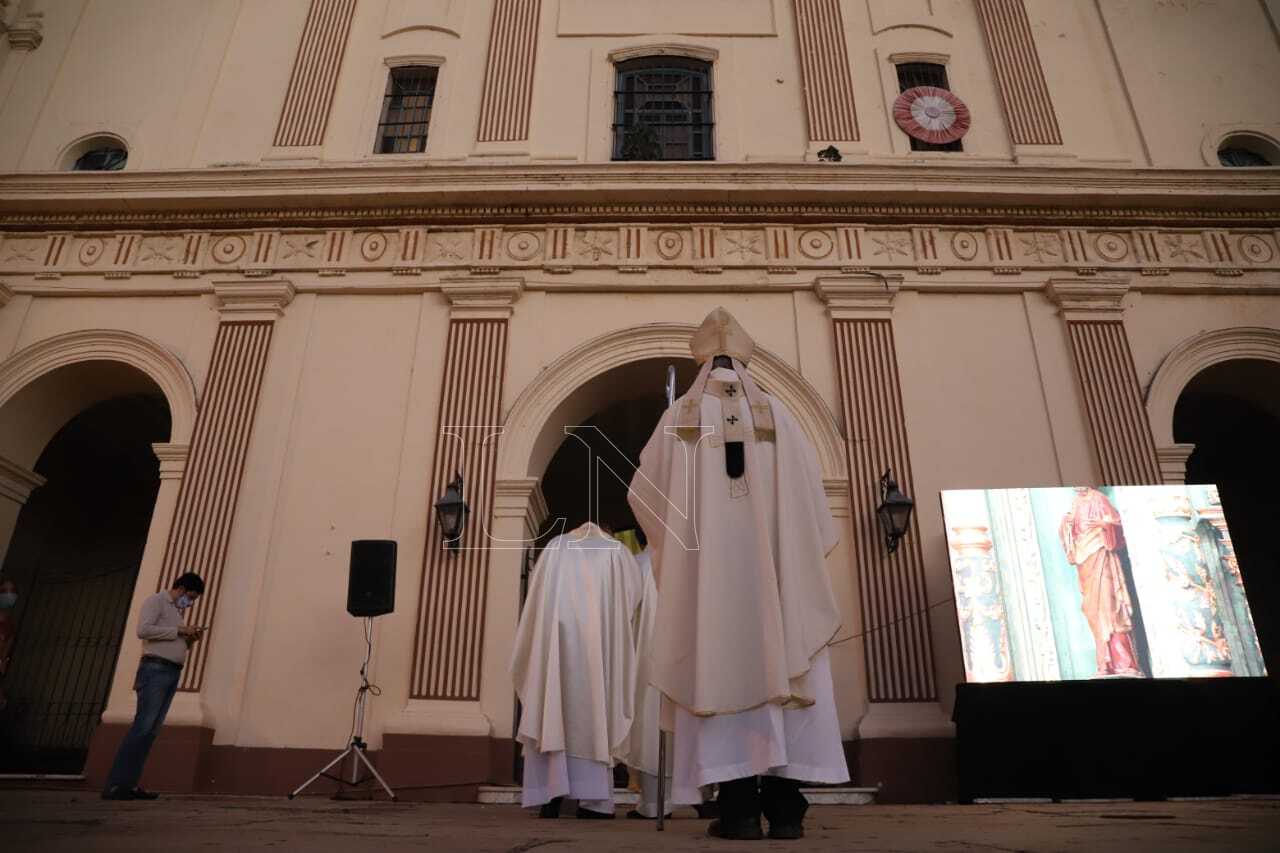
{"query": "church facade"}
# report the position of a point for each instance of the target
(272, 274)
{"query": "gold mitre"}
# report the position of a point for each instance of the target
(721, 334)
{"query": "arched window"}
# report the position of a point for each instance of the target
(1240, 157)
(100, 155)
(662, 109)
(1248, 150)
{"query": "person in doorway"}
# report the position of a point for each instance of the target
(574, 670)
(165, 643)
(8, 630)
(730, 496)
(1092, 535)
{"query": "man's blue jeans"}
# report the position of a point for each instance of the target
(156, 683)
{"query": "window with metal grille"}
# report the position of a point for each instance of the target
(105, 159)
(406, 110)
(912, 74)
(662, 110)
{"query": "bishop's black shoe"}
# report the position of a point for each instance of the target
(742, 830)
(144, 794)
(550, 809)
(786, 831)
(588, 814)
(707, 811)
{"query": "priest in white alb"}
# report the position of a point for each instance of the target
(730, 496)
(574, 668)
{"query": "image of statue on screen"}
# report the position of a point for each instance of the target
(1098, 582)
(1092, 535)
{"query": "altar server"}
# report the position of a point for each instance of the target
(574, 670)
(730, 495)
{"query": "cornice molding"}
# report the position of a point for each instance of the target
(850, 298)
(521, 498)
(397, 193)
(173, 459)
(640, 51)
(27, 32)
(253, 300)
(1173, 462)
(16, 482)
(1091, 299)
(482, 299)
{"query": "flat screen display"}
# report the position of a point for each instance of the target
(1057, 584)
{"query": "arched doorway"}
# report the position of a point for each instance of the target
(588, 474)
(74, 555)
(79, 414)
(619, 376)
(1230, 411)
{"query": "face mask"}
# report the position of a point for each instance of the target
(183, 602)
(8, 599)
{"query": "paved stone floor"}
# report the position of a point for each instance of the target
(50, 821)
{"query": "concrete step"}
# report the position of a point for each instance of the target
(509, 795)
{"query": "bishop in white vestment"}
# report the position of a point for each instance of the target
(729, 493)
(574, 669)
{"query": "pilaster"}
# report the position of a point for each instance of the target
(1093, 311)
(453, 600)
(892, 597)
(210, 474)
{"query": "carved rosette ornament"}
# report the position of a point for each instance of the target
(931, 115)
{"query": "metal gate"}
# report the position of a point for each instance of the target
(60, 674)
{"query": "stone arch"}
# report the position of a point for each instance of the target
(535, 405)
(159, 364)
(1195, 354)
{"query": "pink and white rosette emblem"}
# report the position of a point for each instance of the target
(931, 114)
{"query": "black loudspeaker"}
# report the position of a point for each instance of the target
(371, 586)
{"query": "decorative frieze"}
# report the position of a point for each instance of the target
(701, 247)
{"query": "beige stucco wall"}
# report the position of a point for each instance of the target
(344, 430)
(344, 434)
(199, 83)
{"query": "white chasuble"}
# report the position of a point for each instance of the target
(744, 600)
(574, 660)
(745, 607)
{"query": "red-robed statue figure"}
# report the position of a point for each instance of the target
(1092, 537)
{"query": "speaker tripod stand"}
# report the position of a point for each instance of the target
(357, 747)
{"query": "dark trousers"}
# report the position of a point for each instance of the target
(156, 683)
(779, 800)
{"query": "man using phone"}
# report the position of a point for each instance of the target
(166, 640)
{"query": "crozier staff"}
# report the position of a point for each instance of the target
(745, 609)
(165, 643)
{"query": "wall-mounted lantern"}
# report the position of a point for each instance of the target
(894, 511)
(451, 510)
